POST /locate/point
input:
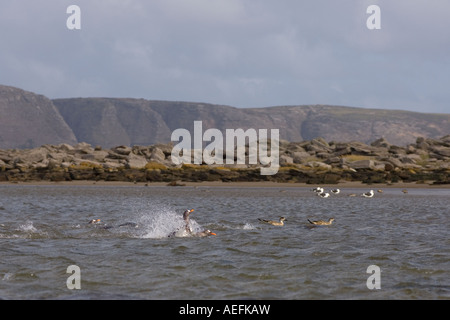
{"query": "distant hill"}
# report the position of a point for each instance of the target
(29, 120)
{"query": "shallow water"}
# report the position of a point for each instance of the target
(43, 230)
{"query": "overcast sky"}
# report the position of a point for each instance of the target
(243, 53)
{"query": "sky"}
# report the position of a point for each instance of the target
(242, 53)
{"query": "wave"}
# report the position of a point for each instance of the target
(27, 227)
(159, 221)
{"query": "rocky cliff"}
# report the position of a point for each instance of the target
(29, 120)
(109, 122)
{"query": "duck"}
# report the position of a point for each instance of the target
(322, 222)
(335, 191)
(187, 221)
(275, 223)
(204, 233)
(368, 194)
(94, 221)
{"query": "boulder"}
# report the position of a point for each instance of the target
(110, 164)
(411, 158)
(65, 147)
(135, 162)
(381, 143)
(157, 155)
(298, 156)
(362, 164)
(98, 156)
(442, 151)
(34, 155)
(123, 150)
(285, 159)
(319, 165)
(83, 147)
(393, 161)
(116, 156)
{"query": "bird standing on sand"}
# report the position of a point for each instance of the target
(322, 222)
(274, 223)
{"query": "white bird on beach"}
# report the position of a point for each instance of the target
(368, 194)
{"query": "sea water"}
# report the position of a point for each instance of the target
(44, 230)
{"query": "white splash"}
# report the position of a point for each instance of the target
(248, 226)
(27, 227)
(160, 222)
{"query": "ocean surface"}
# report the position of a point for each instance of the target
(44, 230)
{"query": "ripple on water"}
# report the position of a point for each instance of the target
(43, 230)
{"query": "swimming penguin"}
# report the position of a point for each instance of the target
(274, 223)
(322, 222)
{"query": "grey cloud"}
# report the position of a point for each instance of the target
(237, 52)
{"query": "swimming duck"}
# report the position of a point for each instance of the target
(204, 233)
(94, 221)
(322, 222)
(335, 191)
(187, 221)
(274, 223)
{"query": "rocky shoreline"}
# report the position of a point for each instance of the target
(316, 161)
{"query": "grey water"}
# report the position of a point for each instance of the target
(44, 230)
